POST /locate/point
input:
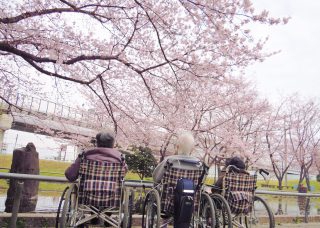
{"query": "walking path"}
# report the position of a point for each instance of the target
(300, 225)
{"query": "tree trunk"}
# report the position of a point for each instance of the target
(308, 181)
(302, 175)
(280, 187)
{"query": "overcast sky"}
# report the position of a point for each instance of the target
(296, 68)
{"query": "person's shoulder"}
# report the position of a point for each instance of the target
(186, 157)
(182, 158)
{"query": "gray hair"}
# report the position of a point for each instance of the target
(185, 143)
(105, 138)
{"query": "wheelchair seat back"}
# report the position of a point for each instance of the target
(169, 183)
(239, 191)
(100, 183)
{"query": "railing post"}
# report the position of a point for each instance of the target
(17, 99)
(61, 111)
(47, 107)
(22, 102)
(16, 204)
(39, 105)
(31, 104)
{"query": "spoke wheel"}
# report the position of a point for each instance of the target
(223, 212)
(69, 210)
(206, 212)
(151, 210)
(261, 215)
(60, 205)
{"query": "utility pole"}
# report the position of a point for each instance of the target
(15, 143)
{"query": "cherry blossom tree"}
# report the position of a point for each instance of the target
(129, 54)
(277, 141)
(236, 128)
(304, 134)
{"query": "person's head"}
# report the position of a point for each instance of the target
(105, 138)
(184, 144)
(236, 161)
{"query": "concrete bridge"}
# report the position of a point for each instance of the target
(36, 115)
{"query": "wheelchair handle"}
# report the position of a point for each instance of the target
(234, 167)
(263, 171)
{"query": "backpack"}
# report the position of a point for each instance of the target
(183, 203)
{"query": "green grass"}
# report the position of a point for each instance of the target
(210, 180)
(290, 183)
(49, 168)
(57, 168)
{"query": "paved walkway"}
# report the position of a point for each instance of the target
(300, 225)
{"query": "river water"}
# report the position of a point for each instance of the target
(292, 206)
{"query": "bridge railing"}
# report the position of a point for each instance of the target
(36, 105)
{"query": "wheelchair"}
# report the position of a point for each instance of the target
(179, 198)
(236, 203)
(99, 196)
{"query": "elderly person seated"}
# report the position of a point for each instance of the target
(184, 147)
(234, 162)
(103, 152)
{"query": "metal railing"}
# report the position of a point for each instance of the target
(128, 183)
(22, 177)
(36, 106)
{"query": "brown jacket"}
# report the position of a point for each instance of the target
(96, 154)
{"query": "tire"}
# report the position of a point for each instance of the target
(151, 210)
(223, 212)
(59, 207)
(207, 218)
(69, 207)
(261, 215)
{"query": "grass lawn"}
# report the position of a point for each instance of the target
(210, 181)
(57, 168)
(48, 168)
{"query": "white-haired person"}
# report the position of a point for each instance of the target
(103, 152)
(183, 149)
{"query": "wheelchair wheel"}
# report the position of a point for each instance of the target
(151, 210)
(59, 207)
(206, 212)
(127, 208)
(69, 207)
(223, 212)
(261, 215)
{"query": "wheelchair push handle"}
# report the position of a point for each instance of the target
(263, 171)
(233, 167)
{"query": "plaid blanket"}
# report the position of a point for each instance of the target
(239, 191)
(100, 183)
(169, 181)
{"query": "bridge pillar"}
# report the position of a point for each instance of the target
(5, 124)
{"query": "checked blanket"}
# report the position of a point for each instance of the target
(170, 178)
(100, 183)
(239, 193)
